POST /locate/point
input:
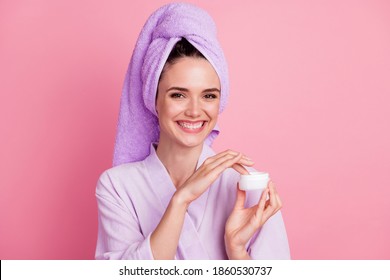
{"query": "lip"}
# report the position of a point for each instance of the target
(189, 130)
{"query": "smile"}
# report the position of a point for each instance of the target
(189, 125)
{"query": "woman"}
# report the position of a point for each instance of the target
(169, 195)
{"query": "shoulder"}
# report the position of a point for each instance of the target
(117, 177)
(123, 170)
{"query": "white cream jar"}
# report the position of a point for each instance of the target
(254, 181)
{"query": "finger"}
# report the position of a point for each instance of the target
(261, 205)
(278, 202)
(240, 169)
(245, 159)
(222, 160)
(209, 173)
(235, 153)
(216, 168)
(272, 191)
(224, 153)
(228, 163)
(272, 208)
(240, 199)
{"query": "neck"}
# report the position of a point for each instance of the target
(179, 161)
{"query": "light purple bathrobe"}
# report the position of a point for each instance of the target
(132, 199)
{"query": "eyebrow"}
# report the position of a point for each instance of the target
(186, 90)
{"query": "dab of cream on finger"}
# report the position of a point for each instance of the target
(254, 181)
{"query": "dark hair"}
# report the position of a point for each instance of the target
(181, 49)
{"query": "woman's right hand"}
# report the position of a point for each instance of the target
(208, 172)
(165, 238)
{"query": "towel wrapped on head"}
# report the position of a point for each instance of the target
(138, 123)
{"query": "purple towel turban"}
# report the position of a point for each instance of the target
(138, 124)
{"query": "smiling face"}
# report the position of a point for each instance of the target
(187, 103)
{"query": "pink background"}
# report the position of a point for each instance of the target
(310, 95)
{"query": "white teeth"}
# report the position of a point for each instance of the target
(190, 125)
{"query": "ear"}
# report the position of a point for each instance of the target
(155, 103)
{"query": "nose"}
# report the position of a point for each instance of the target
(193, 109)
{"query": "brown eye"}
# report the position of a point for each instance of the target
(211, 96)
(177, 95)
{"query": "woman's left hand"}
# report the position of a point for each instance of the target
(244, 222)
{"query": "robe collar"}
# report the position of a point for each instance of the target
(190, 245)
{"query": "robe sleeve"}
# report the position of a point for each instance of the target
(270, 242)
(119, 233)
